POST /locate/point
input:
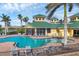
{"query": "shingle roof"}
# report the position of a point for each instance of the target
(39, 15)
(74, 25)
(74, 16)
(45, 25)
(54, 18)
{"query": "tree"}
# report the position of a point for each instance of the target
(25, 19)
(51, 8)
(5, 19)
(20, 17)
(61, 21)
(1, 29)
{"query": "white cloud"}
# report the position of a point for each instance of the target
(12, 7)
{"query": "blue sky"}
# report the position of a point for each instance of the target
(29, 9)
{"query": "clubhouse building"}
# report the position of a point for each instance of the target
(49, 28)
(53, 28)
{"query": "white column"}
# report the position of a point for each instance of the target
(25, 30)
(46, 31)
(35, 31)
(65, 32)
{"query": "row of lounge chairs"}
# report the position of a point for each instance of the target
(52, 50)
(43, 51)
(35, 51)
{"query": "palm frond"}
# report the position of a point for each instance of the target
(51, 5)
(53, 11)
(70, 7)
(19, 16)
(25, 19)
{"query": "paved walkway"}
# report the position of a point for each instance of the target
(69, 54)
(4, 47)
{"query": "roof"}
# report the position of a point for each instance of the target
(54, 18)
(71, 24)
(74, 24)
(45, 25)
(74, 16)
(39, 15)
(42, 25)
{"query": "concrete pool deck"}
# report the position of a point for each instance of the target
(38, 37)
(6, 47)
(5, 36)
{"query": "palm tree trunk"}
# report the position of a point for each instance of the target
(21, 26)
(25, 28)
(5, 28)
(21, 23)
(65, 25)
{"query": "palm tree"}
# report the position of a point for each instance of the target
(25, 19)
(5, 19)
(20, 17)
(1, 30)
(51, 10)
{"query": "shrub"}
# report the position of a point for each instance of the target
(21, 31)
(1, 30)
(13, 32)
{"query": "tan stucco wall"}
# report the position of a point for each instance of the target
(53, 33)
(60, 33)
(70, 31)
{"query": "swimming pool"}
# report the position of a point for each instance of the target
(22, 42)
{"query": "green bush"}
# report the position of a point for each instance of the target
(21, 31)
(13, 32)
(1, 30)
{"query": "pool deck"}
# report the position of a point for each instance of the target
(35, 37)
(38, 37)
(6, 47)
(4, 36)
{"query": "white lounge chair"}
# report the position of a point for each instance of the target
(14, 51)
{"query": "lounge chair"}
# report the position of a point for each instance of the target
(21, 53)
(14, 52)
(29, 52)
(38, 51)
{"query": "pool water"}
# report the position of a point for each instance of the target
(22, 42)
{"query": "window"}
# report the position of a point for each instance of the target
(42, 18)
(78, 17)
(36, 18)
(40, 31)
(48, 30)
(39, 18)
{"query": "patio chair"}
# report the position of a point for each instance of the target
(29, 52)
(34, 52)
(38, 52)
(14, 52)
(21, 52)
(51, 49)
